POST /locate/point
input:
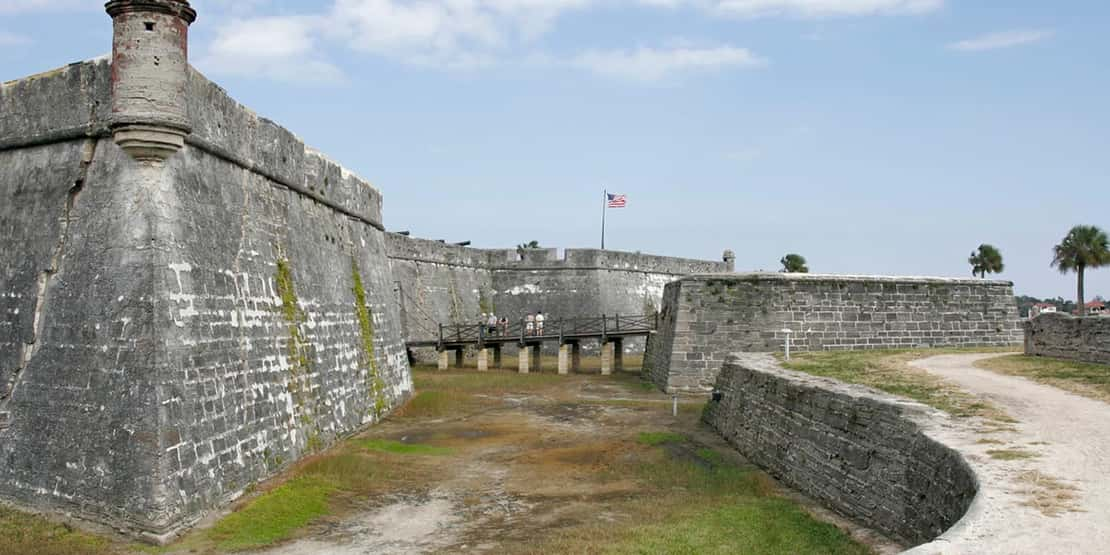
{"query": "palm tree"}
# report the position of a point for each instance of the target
(794, 264)
(1085, 246)
(987, 260)
(527, 246)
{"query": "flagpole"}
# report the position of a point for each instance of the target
(604, 208)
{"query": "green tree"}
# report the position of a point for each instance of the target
(794, 264)
(986, 260)
(1085, 246)
(526, 246)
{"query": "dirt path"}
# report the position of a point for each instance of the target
(1045, 480)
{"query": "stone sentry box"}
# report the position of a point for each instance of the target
(190, 299)
(866, 455)
(707, 317)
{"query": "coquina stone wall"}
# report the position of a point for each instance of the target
(171, 333)
(707, 317)
(866, 455)
(1057, 335)
(449, 284)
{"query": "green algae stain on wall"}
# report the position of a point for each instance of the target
(300, 363)
(375, 384)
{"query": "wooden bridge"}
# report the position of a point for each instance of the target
(568, 333)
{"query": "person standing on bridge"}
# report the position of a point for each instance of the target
(491, 324)
(539, 323)
(530, 324)
(504, 323)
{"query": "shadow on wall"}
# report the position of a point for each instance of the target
(864, 454)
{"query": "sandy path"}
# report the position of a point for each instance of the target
(1070, 436)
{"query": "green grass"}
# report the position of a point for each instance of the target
(889, 371)
(1089, 380)
(277, 514)
(1010, 454)
(274, 516)
(399, 448)
(711, 456)
(769, 526)
(22, 533)
(687, 507)
(659, 438)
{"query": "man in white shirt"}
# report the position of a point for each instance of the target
(539, 323)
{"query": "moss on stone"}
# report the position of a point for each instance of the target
(375, 384)
(299, 360)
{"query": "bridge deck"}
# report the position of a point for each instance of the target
(565, 330)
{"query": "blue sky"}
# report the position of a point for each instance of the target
(871, 136)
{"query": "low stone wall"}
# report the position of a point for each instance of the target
(864, 454)
(1064, 336)
(707, 317)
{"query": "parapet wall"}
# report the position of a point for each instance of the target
(449, 284)
(172, 333)
(1057, 335)
(707, 317)
(866, 455)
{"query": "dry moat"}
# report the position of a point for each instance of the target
(500, 462)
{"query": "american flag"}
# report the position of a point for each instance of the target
(617, 201)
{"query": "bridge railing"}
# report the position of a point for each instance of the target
(555, 328)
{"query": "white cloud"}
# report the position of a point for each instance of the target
(281, 48)
(28, 6)
(454, 34)
(1004, 39)
(825, 8)
(652, 64)
(12, 39)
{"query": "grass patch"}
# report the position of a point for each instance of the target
(711, 456)
(1047, 494)
(687, 507)
(22, 533)
(275, 515)
(279, 513)
(1010, 454)
(767, 526)
(659, 438)
(1088, 380)
(889, 371)
(400, 448)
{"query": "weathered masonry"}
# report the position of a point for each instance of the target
(705, 318)
(190, 299)
(1084, 339)
(454, 285)
(869, 456)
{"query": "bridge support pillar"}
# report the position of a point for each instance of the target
(529, 358)
(570, 358)
(606, 358)
(444, 361)
(458, 358)
(618, 355)
(496, 356)
(483, 359)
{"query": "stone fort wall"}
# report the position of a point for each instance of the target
(866, 455)
(171, 333)
(1058, 335)
(450, 284)
(707, 317)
